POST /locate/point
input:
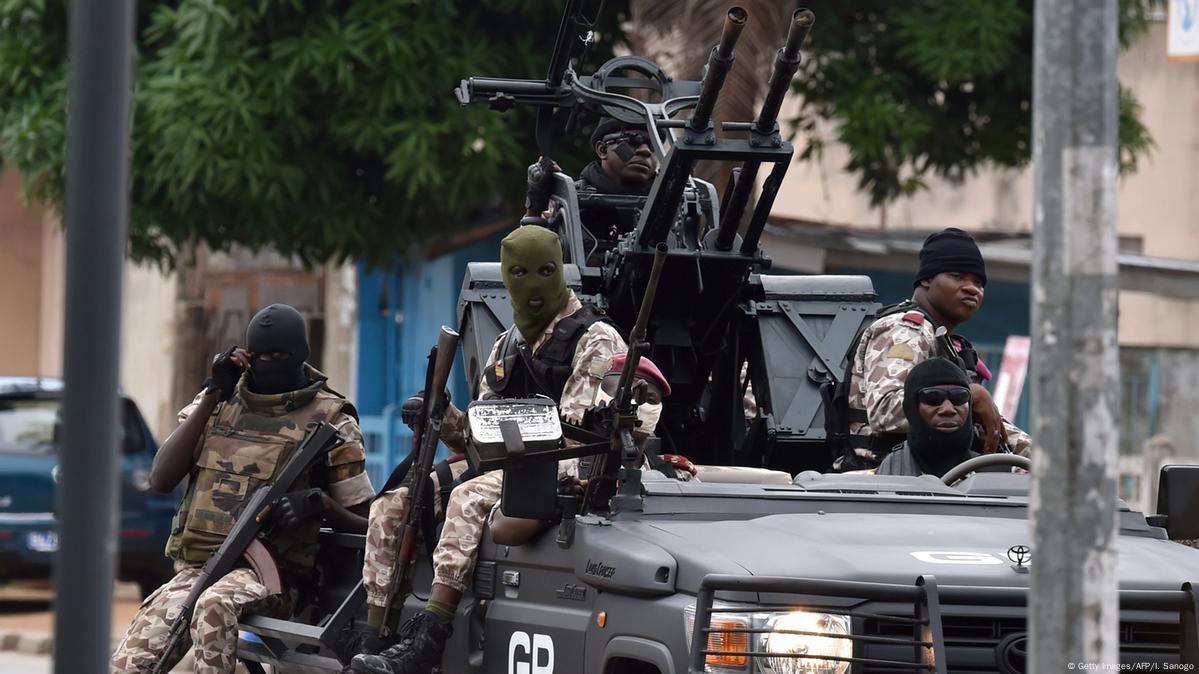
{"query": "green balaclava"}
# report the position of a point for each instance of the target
(536, 292)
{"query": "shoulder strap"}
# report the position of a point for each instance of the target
(445, 482)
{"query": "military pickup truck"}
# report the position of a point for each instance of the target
(829, 574)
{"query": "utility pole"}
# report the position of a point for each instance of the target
(1073, 602)
(97, 206)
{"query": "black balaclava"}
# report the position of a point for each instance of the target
(935, 451)
(950, 249)
(278, 328)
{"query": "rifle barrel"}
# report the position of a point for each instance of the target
(560, 59)
(786, 62)
(637, 336)
(720, 61)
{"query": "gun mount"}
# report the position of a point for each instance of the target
(718, 321)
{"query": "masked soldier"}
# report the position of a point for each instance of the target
(948, 290)
(236, 436)
(936, 404)
(559, 348)
(423, 638)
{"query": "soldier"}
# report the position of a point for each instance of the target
(423, 637)
(558, 347)
(936, 404)
(625, 164)
(948, 290)
(649, 388)
(234, 437)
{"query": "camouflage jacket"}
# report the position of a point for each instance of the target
(592, 360)
(889, 349)
(246, 441)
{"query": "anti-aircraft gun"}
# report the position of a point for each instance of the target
(720, 328)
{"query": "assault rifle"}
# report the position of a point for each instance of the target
(620, 417)
(322, 438)
(424, 443)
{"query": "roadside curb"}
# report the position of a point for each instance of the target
(40, 643)
(29, 643)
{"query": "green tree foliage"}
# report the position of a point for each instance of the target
(934, 86)
(323, 128)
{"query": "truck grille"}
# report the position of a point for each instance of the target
(992, 644)
(920, 627)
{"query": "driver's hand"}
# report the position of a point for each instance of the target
(987, 414)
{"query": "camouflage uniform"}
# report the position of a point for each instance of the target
(213, 625)
(383, 535)
(246, 441)
(471, 502)
(889, 348)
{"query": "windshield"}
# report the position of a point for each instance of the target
(33, 426)
(27, 426)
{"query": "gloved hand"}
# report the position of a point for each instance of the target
(297, 507)
(680, 462)
(540, 184)
(226, 370)
(410, 409)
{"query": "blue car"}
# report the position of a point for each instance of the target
(30, 419)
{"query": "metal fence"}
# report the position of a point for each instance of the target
(387, 441)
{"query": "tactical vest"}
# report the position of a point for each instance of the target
(244, 447)
(518, 372)
(838, 415)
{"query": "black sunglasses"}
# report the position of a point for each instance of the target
(936, 396)
(634, 138)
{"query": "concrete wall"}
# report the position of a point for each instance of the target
(20, 279)
(341, 327)
(148, 342)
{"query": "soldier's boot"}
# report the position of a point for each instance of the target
(422, 641)
(364, 642)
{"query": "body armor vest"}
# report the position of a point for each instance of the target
(244, 447)
(518, 372)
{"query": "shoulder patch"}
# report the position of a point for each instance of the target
(600, 365)
(901, 351)
(914, 317)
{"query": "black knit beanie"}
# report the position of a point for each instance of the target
(950, 249)
(609, 125)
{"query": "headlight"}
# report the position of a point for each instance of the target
(798, 633)
(803, 633)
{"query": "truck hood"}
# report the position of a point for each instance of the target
(894, 548)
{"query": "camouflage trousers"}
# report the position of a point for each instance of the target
(469, 509)
(213, 629)
(384, 528)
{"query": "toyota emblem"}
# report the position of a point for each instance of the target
(1019, 554)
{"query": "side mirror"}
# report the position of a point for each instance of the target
(1178, 500)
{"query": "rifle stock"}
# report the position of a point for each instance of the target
(441, 360)
(244, 533)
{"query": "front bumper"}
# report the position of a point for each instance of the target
(926, 627)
